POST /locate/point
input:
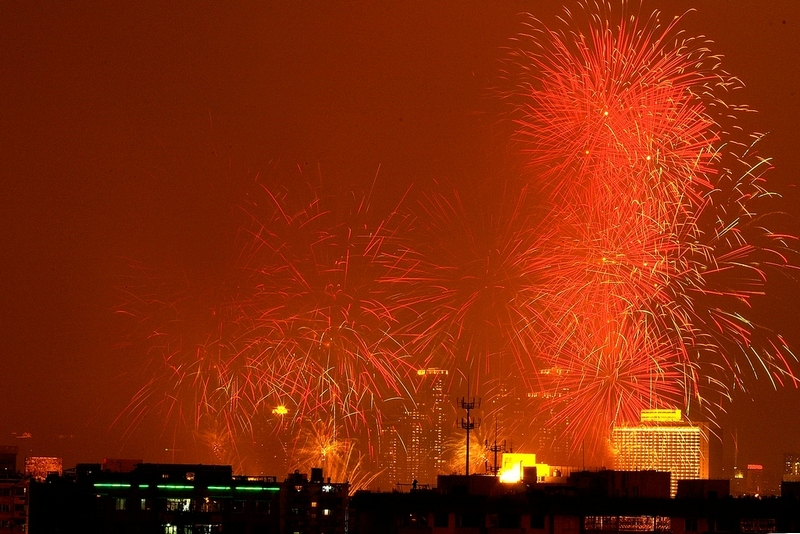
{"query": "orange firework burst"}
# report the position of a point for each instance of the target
(660, 254)
(617, 273)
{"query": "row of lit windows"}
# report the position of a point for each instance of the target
(628, 523)
(193, 529)
(205, 505)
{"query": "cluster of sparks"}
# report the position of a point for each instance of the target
(615, 274)
(659, 250)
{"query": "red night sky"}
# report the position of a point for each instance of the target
(131, 131)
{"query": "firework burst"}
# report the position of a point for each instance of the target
(326, 321)
(321, 444)
(656, 230)
(619, 273)
(301, 327)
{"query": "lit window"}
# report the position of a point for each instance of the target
(179, 505)
(326, 511)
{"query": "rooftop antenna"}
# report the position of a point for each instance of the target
(495, 448)
(468, 423)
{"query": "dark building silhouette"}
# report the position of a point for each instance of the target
(592, 503)
(633, 484)
(8, 461)
(703, 489)
(183, 499)
(13, 504)
(205, 499)
(13, 493)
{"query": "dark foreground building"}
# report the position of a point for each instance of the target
(606, 505)
(205, 499)
(185, 499)
(13, 503)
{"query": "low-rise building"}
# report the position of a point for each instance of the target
(185, 498)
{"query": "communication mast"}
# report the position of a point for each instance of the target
(468, 423)
(495, 448)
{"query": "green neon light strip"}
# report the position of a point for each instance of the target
(109, 485)
(256, 488)
(220, 488)
(171, 487)
(144, 486)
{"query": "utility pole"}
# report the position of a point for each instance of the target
(495, 448)
(468, 423)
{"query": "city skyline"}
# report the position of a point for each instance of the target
(134, 141)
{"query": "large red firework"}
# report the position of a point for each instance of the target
(655, 213)
(618, 275)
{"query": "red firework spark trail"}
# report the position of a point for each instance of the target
(301, 320)
(319, 268)
(659, 235)
(607, 373)
(191, 328)
(473, 282)
(618, 98)
(627, 267)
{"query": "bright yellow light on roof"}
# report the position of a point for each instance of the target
(512, 476)
(512, 468)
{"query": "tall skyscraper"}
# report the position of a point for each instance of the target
(413, 441)
(663, 441)
(552, 439)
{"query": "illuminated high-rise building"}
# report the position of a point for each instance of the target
(413, 441)
(663, 442)
(552, 438)
(755, 481)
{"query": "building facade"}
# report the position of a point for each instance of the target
(413, 441)
(663, 442)
(13, 505)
